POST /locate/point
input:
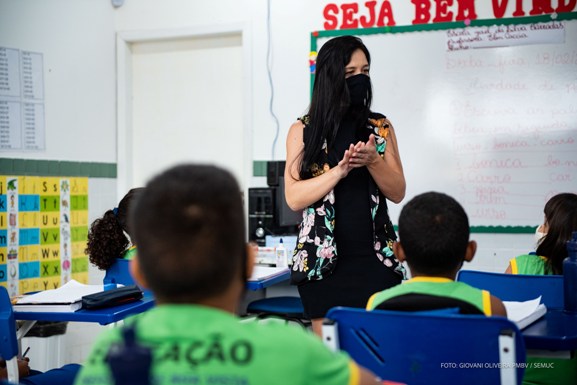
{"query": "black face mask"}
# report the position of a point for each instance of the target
(359, 86)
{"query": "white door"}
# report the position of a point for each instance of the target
(184, 104)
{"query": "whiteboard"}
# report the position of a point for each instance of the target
(496, 128)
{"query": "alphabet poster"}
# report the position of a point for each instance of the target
(43, 232)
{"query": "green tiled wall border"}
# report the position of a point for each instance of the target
(498, 229)
(34, 167)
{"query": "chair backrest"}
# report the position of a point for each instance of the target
(517, 287)
(427, 348)
(424, 302)
(8, 339)
(119, 272)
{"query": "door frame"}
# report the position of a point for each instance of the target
(124, 42)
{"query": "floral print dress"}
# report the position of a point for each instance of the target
(316, 253)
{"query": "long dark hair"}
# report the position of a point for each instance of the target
(106, 238)
(330, 100)
(561, 216)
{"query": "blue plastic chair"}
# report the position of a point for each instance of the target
(8, 339)
(517, 287)
(429, 348)
(119, 273)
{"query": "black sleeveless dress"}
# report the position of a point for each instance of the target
(358, 273)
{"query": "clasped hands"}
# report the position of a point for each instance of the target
(359, 155)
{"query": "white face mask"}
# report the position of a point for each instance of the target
(539, 236)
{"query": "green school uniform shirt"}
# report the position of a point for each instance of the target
(130, 253)
(437, 286)
(199, 345)
(530, 264)
(544, 370)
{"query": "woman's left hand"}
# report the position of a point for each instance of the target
(387, 171)
(364, 154)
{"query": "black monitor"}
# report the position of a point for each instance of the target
(269, 214)
(284, 215)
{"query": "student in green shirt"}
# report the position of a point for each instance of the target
(434, 240)
(560, 220)
(109, 236)
(189, 225)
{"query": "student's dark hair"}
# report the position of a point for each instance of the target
(434, 233)
(561, 216)
(190, 230)
(106, 238)
(330, 99)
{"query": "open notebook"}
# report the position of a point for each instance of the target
(66, 298)
(525, 313)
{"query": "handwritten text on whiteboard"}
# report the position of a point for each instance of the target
(505, 35)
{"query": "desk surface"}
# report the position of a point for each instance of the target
(118, 313)
(101, 316)
(556, 330)
(266, 277)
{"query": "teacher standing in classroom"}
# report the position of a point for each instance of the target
(343, 164)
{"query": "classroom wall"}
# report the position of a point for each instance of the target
(77, 39)
(290, 26)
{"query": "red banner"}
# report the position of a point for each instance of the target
(373, 13)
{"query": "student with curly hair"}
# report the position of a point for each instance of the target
(109, 236)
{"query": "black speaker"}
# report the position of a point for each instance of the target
(261, 209)
(274, 171)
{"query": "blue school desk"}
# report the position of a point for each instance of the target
(556, 331)
(265, 277)
(118, 313)
(102, 316)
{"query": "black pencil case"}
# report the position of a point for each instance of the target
(113, 297)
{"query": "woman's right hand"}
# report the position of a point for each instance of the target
(302, 193)
(345, 166)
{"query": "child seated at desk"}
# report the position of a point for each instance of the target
(434, 240)
(109, 236)
(560, 220)
(190, 229)
(62, 376)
